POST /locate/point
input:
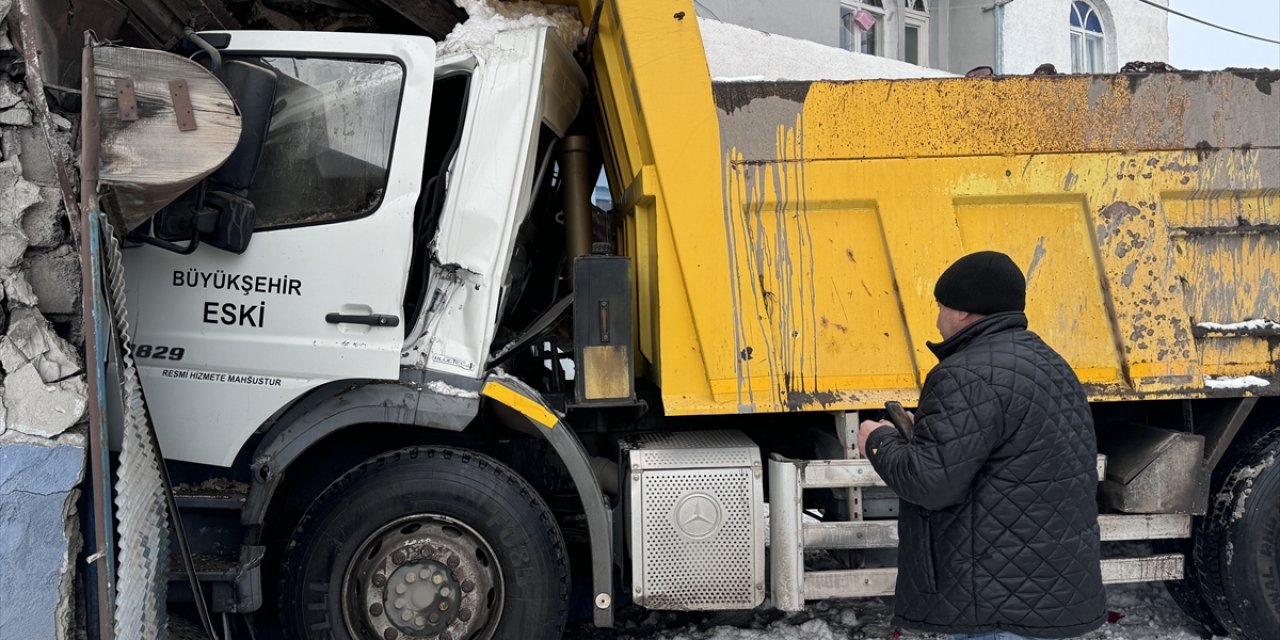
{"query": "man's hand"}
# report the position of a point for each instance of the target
(864, 432)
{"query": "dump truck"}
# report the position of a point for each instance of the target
(409, 383)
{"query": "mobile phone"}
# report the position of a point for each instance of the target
(900, 419)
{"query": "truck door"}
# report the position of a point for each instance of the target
(225, 341)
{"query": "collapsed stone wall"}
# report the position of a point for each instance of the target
(42, 380)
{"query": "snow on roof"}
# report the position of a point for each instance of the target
(487, 18)
(737, 53)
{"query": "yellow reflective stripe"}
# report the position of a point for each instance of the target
(514, 399)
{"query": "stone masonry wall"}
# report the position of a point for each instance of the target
(42, 380)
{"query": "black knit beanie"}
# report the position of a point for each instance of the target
(985, 282)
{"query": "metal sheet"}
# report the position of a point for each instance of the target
(181, 105)
(128, 101)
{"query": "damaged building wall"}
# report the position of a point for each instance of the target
(42, 381)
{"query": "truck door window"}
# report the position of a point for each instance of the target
(328, 148)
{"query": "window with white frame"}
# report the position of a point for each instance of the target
(862, 26)
(1086, 38)
(915, 34)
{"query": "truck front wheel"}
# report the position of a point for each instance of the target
(426, 543)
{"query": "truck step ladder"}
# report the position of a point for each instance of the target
(791, 585)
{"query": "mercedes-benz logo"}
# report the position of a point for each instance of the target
(697, 515)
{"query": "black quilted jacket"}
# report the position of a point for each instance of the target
(999, 520)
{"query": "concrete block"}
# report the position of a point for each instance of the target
(37, 164)
(16, 193)
(17, 289)
(55, 279)
(17, 116)
(38, 539)
(43, 220)
(35, 408)
(31, 339)
(13, 246)
(9, 95)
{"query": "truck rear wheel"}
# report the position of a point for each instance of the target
(1237, 546)
(426, 543)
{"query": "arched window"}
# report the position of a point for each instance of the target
(1086, 39)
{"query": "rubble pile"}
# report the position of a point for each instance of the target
(43, 394)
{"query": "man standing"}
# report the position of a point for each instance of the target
(998, 527)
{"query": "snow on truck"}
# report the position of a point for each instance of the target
(411, 384)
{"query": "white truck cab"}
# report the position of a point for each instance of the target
(367, 254)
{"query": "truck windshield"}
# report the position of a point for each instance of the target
(328, 147)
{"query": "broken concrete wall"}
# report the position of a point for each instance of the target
(42, 380)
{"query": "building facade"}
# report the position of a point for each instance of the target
(1010, 36)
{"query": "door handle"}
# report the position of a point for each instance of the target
(373, 320)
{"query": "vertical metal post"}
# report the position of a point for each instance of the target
(94, 329)
(847, 428)
(574, 164)
(786, 548)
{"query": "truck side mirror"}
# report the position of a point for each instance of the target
(234, 224)
(221, 219)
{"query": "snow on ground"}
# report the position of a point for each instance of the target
(1147, 613)
(739, 53)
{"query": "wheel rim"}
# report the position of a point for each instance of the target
(423, 576)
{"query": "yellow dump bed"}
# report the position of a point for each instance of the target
(786, 236)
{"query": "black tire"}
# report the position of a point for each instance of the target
(454, 517)
(1186, 592)
(1237, 544)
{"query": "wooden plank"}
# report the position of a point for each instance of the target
(149, 162)
(868, 583)
(436, 17)
(1148, 569)
(883, 534)
(868, 534)
(1144, 527)
(858, 583)
(837, 474)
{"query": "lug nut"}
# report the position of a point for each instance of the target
(379, 580)
(390, 634)
(445, 591)
(453, 562)
(424, 574)
(464, 615)
(406, 616)
(399, 556)
(420, 621)
(434, 618)
(411, 578)
(444, 606)
(468, 586)
(375, 609)
(436, 579)
(400, 589)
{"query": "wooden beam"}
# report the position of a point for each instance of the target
(867, 583)
(436, 17)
